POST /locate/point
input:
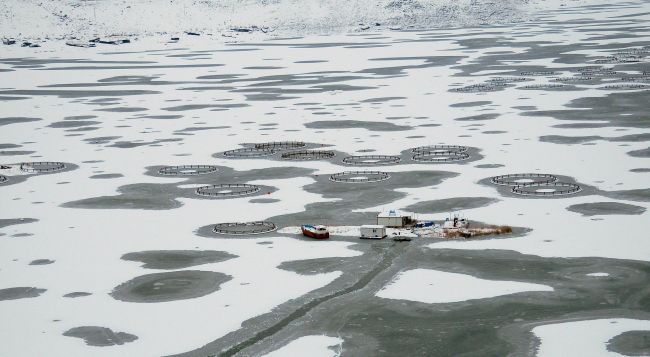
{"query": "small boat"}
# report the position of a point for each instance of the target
(402, 239)
(316, 232)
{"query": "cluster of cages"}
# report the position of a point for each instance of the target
(359, 176)
(440, 153)
(227, 190)
(290, 151)
(574, 79)
(481, 87)
(187, 170)
(508, 79)
(639, 78)
(640, 51)
(538, 73)
(620, 59)
(244, 228)
(41, 166)
(544, 86)
(624, 86)
(533, 184)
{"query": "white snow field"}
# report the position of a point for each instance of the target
(316, 346)
(386, 78)
(436, 287)
(588, 338)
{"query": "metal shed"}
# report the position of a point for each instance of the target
(372, 232)
(393, 218)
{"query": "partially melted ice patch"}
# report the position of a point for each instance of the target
(435, 287)
(313, 346)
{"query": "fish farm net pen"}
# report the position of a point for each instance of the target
(227, 190)
(249, 152)
(305, 155)
(515, 179)
(371, 160)
(359, 176)
(440, 149)
(242, 228)
(533, 190)
(281, 145)
(440, 156)
(187, 170)
(41, 166)
(3, 179)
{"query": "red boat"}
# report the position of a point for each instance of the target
(316, 232)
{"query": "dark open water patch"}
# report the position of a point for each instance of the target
(77, 294)
(488, 166)
(20, 293)
(450, 204)
(640, 153)
(264, 200)
(170, 286)
(479, 117)
(155, 196)
(79, 93)
(72, 124)
(9, 146)
(351, 124)
(106, 176)
(641, 170)
(122, 109)
(16, 120)
(16, 153)
(6, 222)
(606, 208)
(100, 336)
(630, 343)
(41, 262)
(640, 195)
(561, 139)
(623, 109)
(471, 104)
(177, 259)
(313, 266)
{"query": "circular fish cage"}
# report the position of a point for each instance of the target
(41, 166)
(440, 157)
(439, 149)
(280, 145)
(227, 190)
(306, 155)
(187, 170)
(371, 160)
(3, 179)
(547, 189)
(249, 152)
(522, 179)
(244, 228)
(359, 176)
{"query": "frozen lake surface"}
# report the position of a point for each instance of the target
(118, 162)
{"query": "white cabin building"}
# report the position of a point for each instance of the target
(393, 218)
(373, 232)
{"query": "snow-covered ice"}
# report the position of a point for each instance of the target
(436, 287)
